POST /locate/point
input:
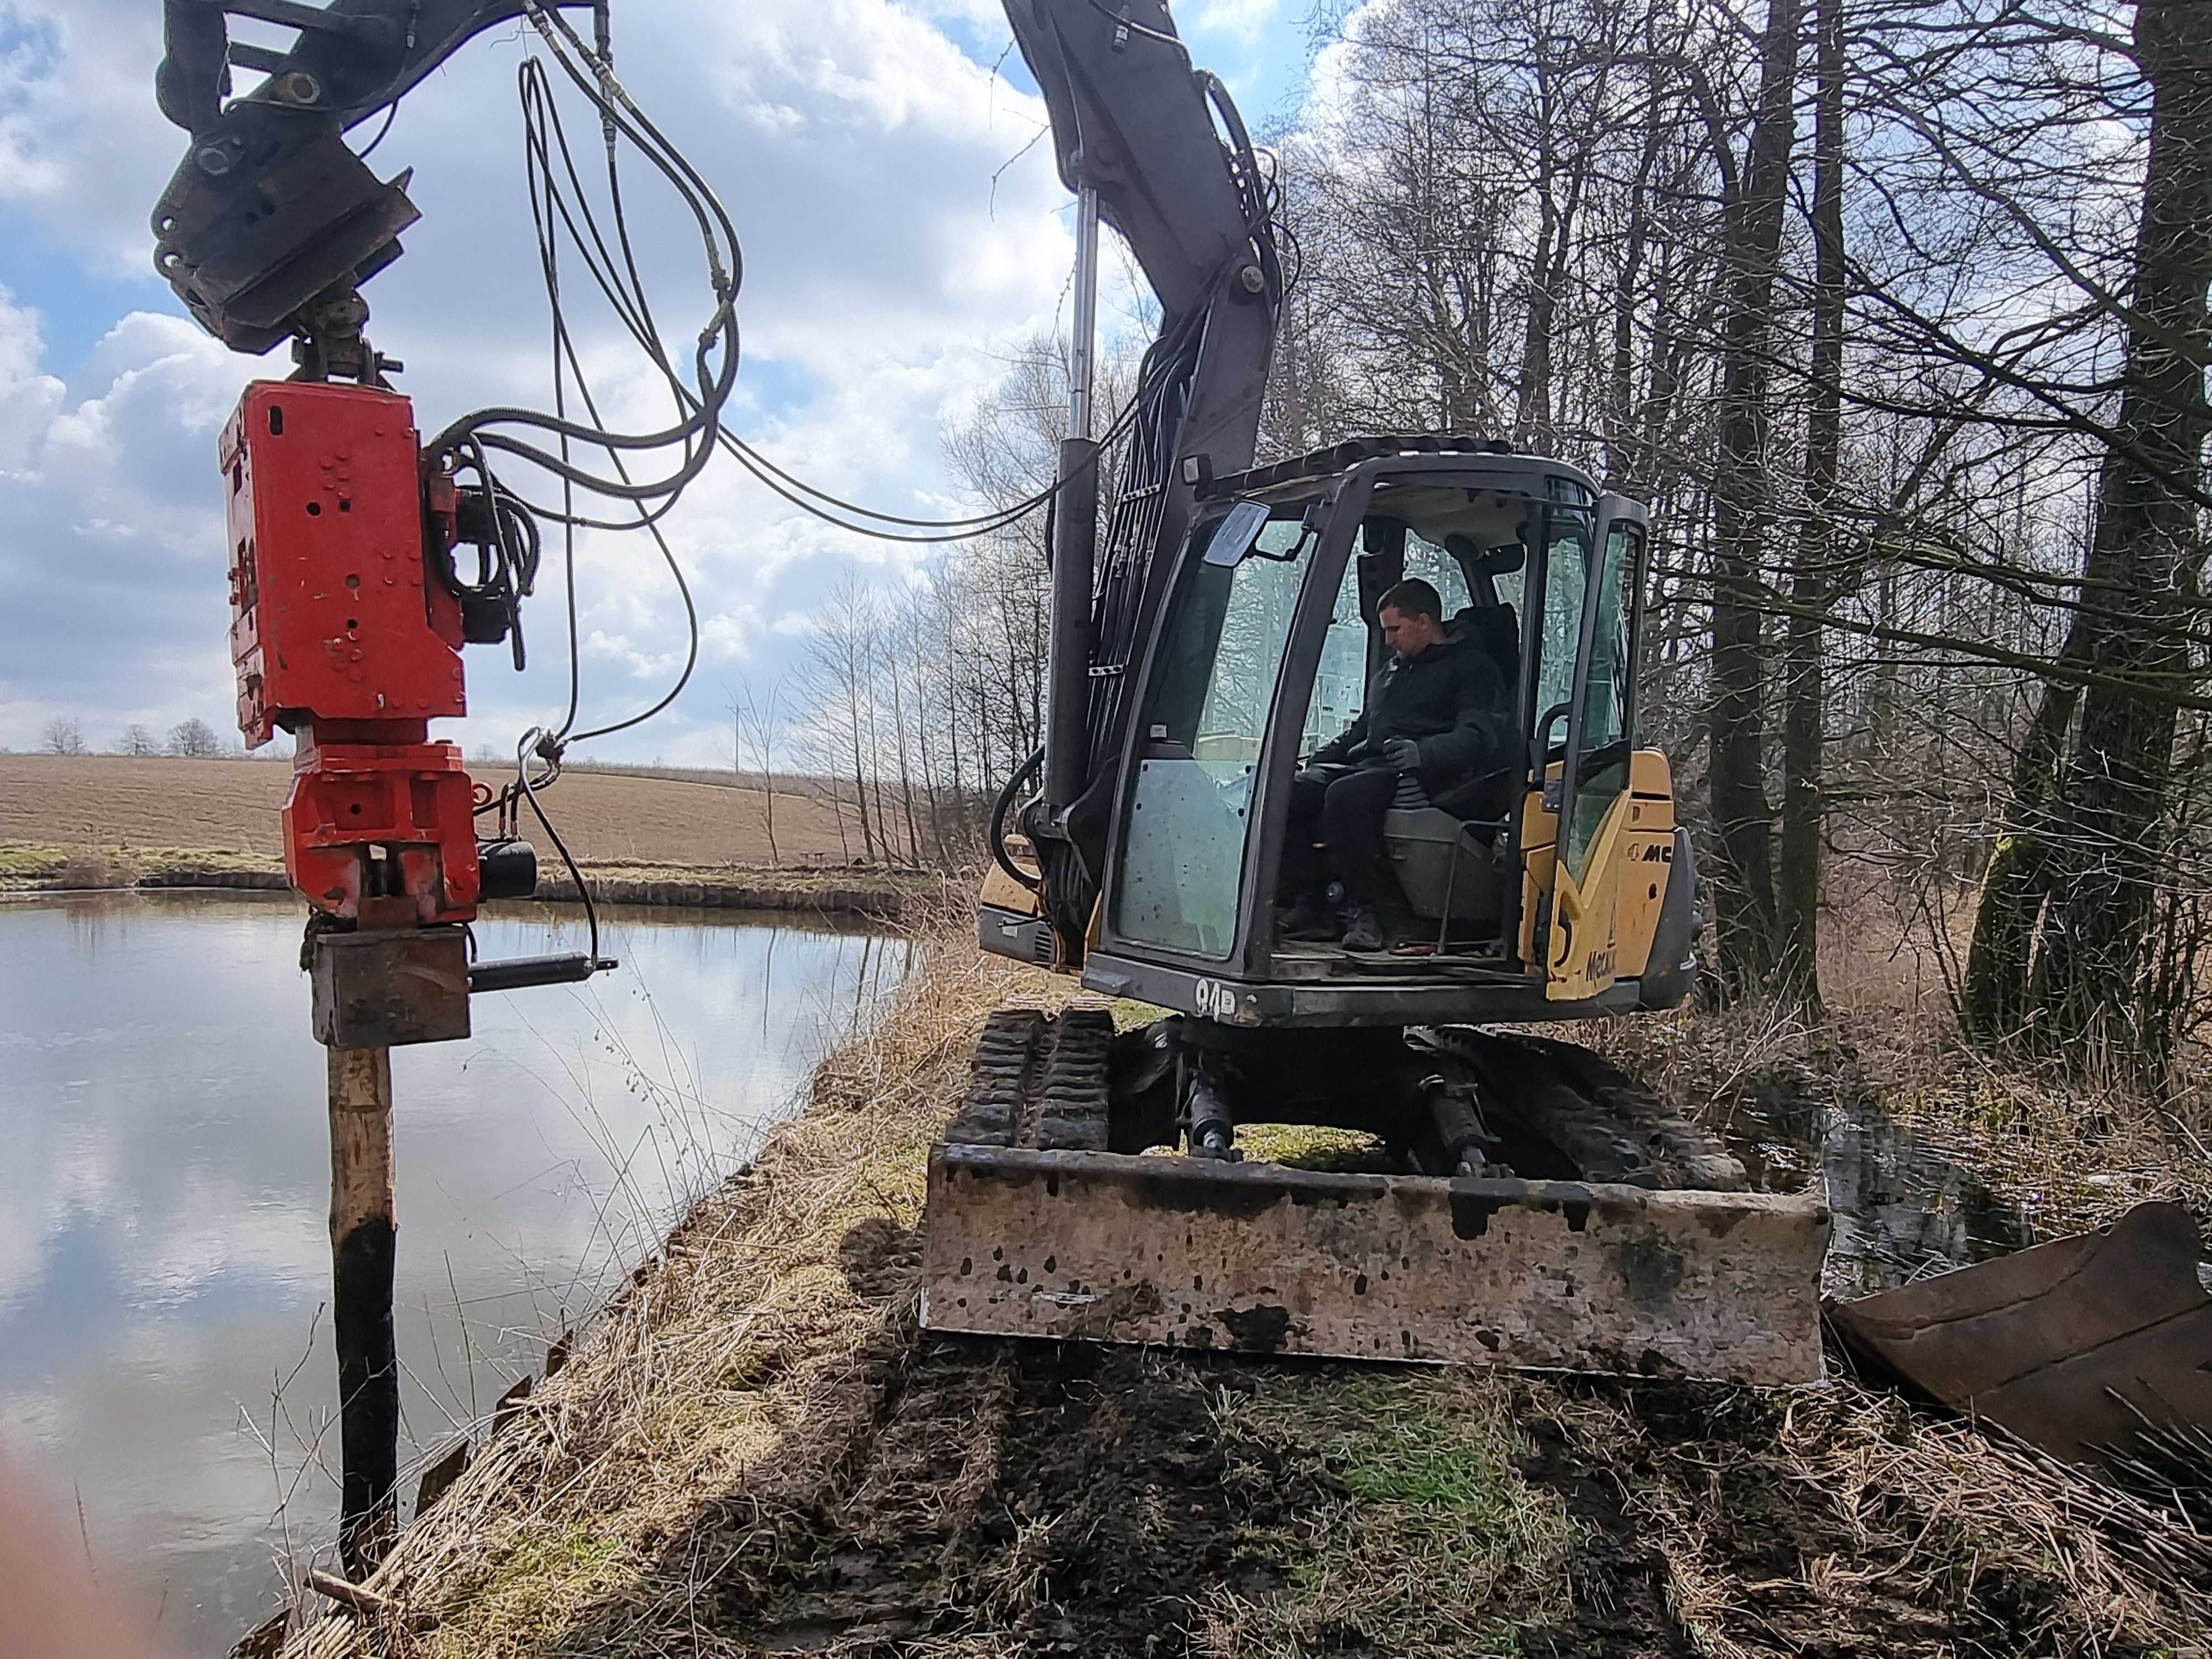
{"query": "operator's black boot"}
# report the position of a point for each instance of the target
(1364, 930)
(1311, 918)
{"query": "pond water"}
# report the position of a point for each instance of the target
(1903, 1208)
(164, 1353)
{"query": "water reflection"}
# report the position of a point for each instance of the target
(1902, 1209)
(164, 1265)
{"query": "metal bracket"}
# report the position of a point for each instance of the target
(385, 989)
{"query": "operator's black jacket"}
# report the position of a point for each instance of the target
(1450, 700)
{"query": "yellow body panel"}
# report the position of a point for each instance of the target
(1647, 859)
(1002, 892)
(1611, 919)
(1539, 834)
(1581, 957)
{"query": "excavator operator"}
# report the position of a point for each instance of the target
(1438, 709)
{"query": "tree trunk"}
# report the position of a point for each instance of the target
(1743, 822)
(2016, 883)
(2110, 829)
(1804, 689)
(859, 769)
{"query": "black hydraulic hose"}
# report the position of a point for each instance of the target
(1026, 770)
(1251, 187)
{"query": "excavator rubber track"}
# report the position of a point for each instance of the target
(1665, 1267)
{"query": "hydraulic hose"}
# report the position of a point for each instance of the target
(1023, 773)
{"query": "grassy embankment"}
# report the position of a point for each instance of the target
(104, 822)
(757, 1451)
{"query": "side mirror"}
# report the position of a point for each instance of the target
(1235, 535)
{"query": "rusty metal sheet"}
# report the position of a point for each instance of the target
(2063, 1344)
(1263, 1259)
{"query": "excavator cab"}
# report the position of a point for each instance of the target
(1262, 653)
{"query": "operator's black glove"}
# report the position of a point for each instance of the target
(1403, 753)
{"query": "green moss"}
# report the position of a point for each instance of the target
(38, 861)
(1129, 1014)
(547, 1582)
(1305, 1147)
(30, 859)
(1438, 1545)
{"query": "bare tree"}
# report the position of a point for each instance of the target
(138, 740)
(837, 686)
(63, 735)
(756, 719)
(1797, 892)
(194, 739)
(2069, 915)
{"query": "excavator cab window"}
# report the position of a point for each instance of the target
(1606, 733)
(1566, 532)
(1339, 690)
(1434, 565)
(1191, 800)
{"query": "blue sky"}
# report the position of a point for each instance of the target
(854, 142)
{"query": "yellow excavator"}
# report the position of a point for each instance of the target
(1208, 640)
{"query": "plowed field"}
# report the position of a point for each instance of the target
(231, 805)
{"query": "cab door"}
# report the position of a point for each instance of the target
(1588, 795)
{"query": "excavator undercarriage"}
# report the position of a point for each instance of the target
(1542, 1209)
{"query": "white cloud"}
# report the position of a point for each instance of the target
(854, 143)
(81, 146)
(111, 535)
(1242, 19)
(28, 398)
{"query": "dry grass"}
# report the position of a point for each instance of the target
(83, 867)
(2068, 1152)
(2069, 1155)
(1432, 1542)
(1850, 1522)
(727, 1363)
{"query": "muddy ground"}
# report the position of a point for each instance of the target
(758, 1452)
(994, 1497)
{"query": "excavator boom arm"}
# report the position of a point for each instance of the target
(1133, 121)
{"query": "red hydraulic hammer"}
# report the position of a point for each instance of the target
(341, 635)
(343, 632)
(346, 631)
